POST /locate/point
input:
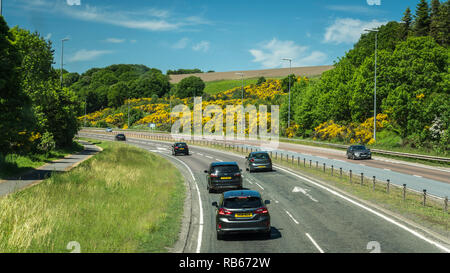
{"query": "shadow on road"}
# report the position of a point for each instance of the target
(274, 234)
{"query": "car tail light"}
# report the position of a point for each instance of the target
(176, 147)
(261, 211)
(223, 211)
(252, 160)
(237, 175)
(213, 175)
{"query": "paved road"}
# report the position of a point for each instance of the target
(306, 217)
(417, 176)
(35, 176)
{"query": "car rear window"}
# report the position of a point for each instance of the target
(226, 169)
(242, 202)
(180, 144)
(260, 156)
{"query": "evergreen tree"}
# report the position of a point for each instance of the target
(442, 25)
(422, 22)
(434, 18)
(407, 20)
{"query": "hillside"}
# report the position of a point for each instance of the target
(268, 73)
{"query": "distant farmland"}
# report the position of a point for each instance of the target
(268, 73)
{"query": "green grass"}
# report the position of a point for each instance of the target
(124, 199)
(16, 164)
(216, 87)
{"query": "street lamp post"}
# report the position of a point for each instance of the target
(62, 59)
(375, 88)
(1, 8)
(289, 107)
(242, 96)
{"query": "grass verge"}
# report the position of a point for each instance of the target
(124, 199)
(15, 164)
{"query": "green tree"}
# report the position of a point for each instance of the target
(407, 21)
(117, 94)
(14, 104)
(260, 80)
(434, 17)
(190, 87)
(422, 19)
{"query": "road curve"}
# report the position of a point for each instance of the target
(306, 218)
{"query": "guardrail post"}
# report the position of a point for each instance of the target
(362, 179)
(351, 177)
(323, 167)
(292, 159)
(304, 162)
(310, 162)
(332, 167)
(374, 182)
(276, 155)
(445, 203)
(424, 197)
(317, 164)
(387, 186)
(404, 192)
(298, 161)
(340, 172)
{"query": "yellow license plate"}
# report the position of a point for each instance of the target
(225, 178)
(181, 148)
(246, 215)
(261, 166)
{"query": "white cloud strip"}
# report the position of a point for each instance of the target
(269, 54)
(88, 55)
(348, 30)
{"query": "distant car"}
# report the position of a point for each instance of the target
(258, 161)
(108, 129)
(223, 176)
(242, 211)
(358, 152)
(120, 137)
(180, 148)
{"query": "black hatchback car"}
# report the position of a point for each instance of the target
(242, 211)
(180, 148)
(258, 161)
(120, 137)
(358, 152)
(223, 176)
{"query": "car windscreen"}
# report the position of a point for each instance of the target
(260, 156)
(359, 148)
(242, 202)
(226, 169)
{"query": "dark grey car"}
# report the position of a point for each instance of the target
(258, 161)
(358, 152)
(242, 211)
(223, 176)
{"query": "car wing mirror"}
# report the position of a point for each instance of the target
(215, 204)
(205, 171)
(266, 202)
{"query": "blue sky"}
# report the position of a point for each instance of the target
(220, 35)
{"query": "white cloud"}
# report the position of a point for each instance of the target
(88, 55)
(73, 2)
(48, 36)
(348, 30)
(181, 44)
(115, 40)
(269, 54)
(201, 46)
(133, 41)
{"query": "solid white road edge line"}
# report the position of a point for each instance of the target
(392, 221)
(200, 225)
(314, 243)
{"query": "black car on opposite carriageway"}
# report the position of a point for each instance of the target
(358, 152)
(223, 176)
(242, 211)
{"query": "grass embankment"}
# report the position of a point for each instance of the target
(16, 164)
(431, 215)
(124, 199)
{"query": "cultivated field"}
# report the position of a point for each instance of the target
(268, 73)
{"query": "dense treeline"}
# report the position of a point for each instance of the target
(183, 71)
(37, 114)
(413, 81)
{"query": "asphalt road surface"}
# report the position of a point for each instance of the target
(306, 217)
